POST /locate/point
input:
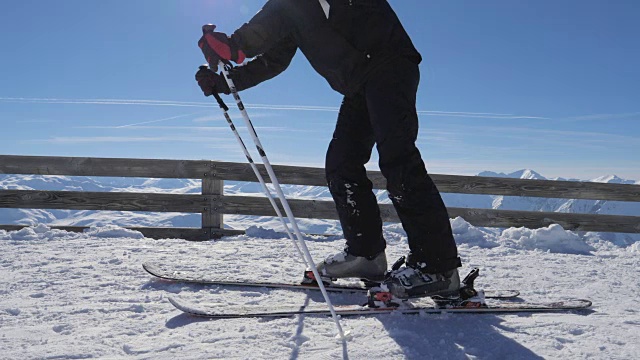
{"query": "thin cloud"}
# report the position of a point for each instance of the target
(579, 136)
(482, 115)
(106, 102)
(208, 118)
(604, 116)
(461, 141)
(526, 132)
(35, 121)
(159, 120)
(123, 139)
(192, 128)
(293, 107)
(251, 106)
(235, 117)
(158, 127)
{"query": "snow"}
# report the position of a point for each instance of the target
(66, 295)
(84, 295)
(553, 239)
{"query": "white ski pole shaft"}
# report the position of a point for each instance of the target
(283, 200)
(265, 189)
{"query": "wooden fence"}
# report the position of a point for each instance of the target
(213, 204)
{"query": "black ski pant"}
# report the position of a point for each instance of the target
(384, 114)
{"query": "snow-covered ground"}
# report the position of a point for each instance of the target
(76, 296)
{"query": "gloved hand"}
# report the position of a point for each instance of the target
(210, 82)
(218, 46)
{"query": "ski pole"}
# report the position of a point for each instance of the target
(225, 110)
(283, 200)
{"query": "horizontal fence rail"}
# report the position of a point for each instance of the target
(213, 204)
(80, 200)
(198, 169)
(112, 167)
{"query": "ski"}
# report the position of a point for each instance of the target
(194, 278)
(223, 311)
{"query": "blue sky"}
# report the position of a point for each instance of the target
(548, 85)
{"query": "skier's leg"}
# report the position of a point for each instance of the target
(391, 97)
(349, 150)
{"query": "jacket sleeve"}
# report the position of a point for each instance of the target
(265, 66)
(265, 30)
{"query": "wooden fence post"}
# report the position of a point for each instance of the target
(212, 190)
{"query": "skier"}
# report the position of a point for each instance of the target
(363, 51)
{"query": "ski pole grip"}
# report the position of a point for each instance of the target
(221, 103)
(208, 28)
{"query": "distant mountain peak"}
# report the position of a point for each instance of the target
(520, 174)
(492, 174)
(612, 179)
(527, 174)
(532, 175)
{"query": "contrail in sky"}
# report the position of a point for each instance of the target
(159, 120)
(253, 106)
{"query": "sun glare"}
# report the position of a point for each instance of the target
(222, 12)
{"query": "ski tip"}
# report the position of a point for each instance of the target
(582, 303)
(570, 304)
(201, 310)
(182, 306)
(154, 270)
(177, 303)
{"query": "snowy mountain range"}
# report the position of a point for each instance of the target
(183, 186)
(603, 207)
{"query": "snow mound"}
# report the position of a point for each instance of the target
(38, 232)
(262, 233)
(466, 233)
(552, 239)
(43, 232)
(113, 231)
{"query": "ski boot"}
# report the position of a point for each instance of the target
(411, 282)
(371, 270)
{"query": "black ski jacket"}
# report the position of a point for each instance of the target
(358, 37)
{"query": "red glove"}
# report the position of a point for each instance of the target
(218, 46)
